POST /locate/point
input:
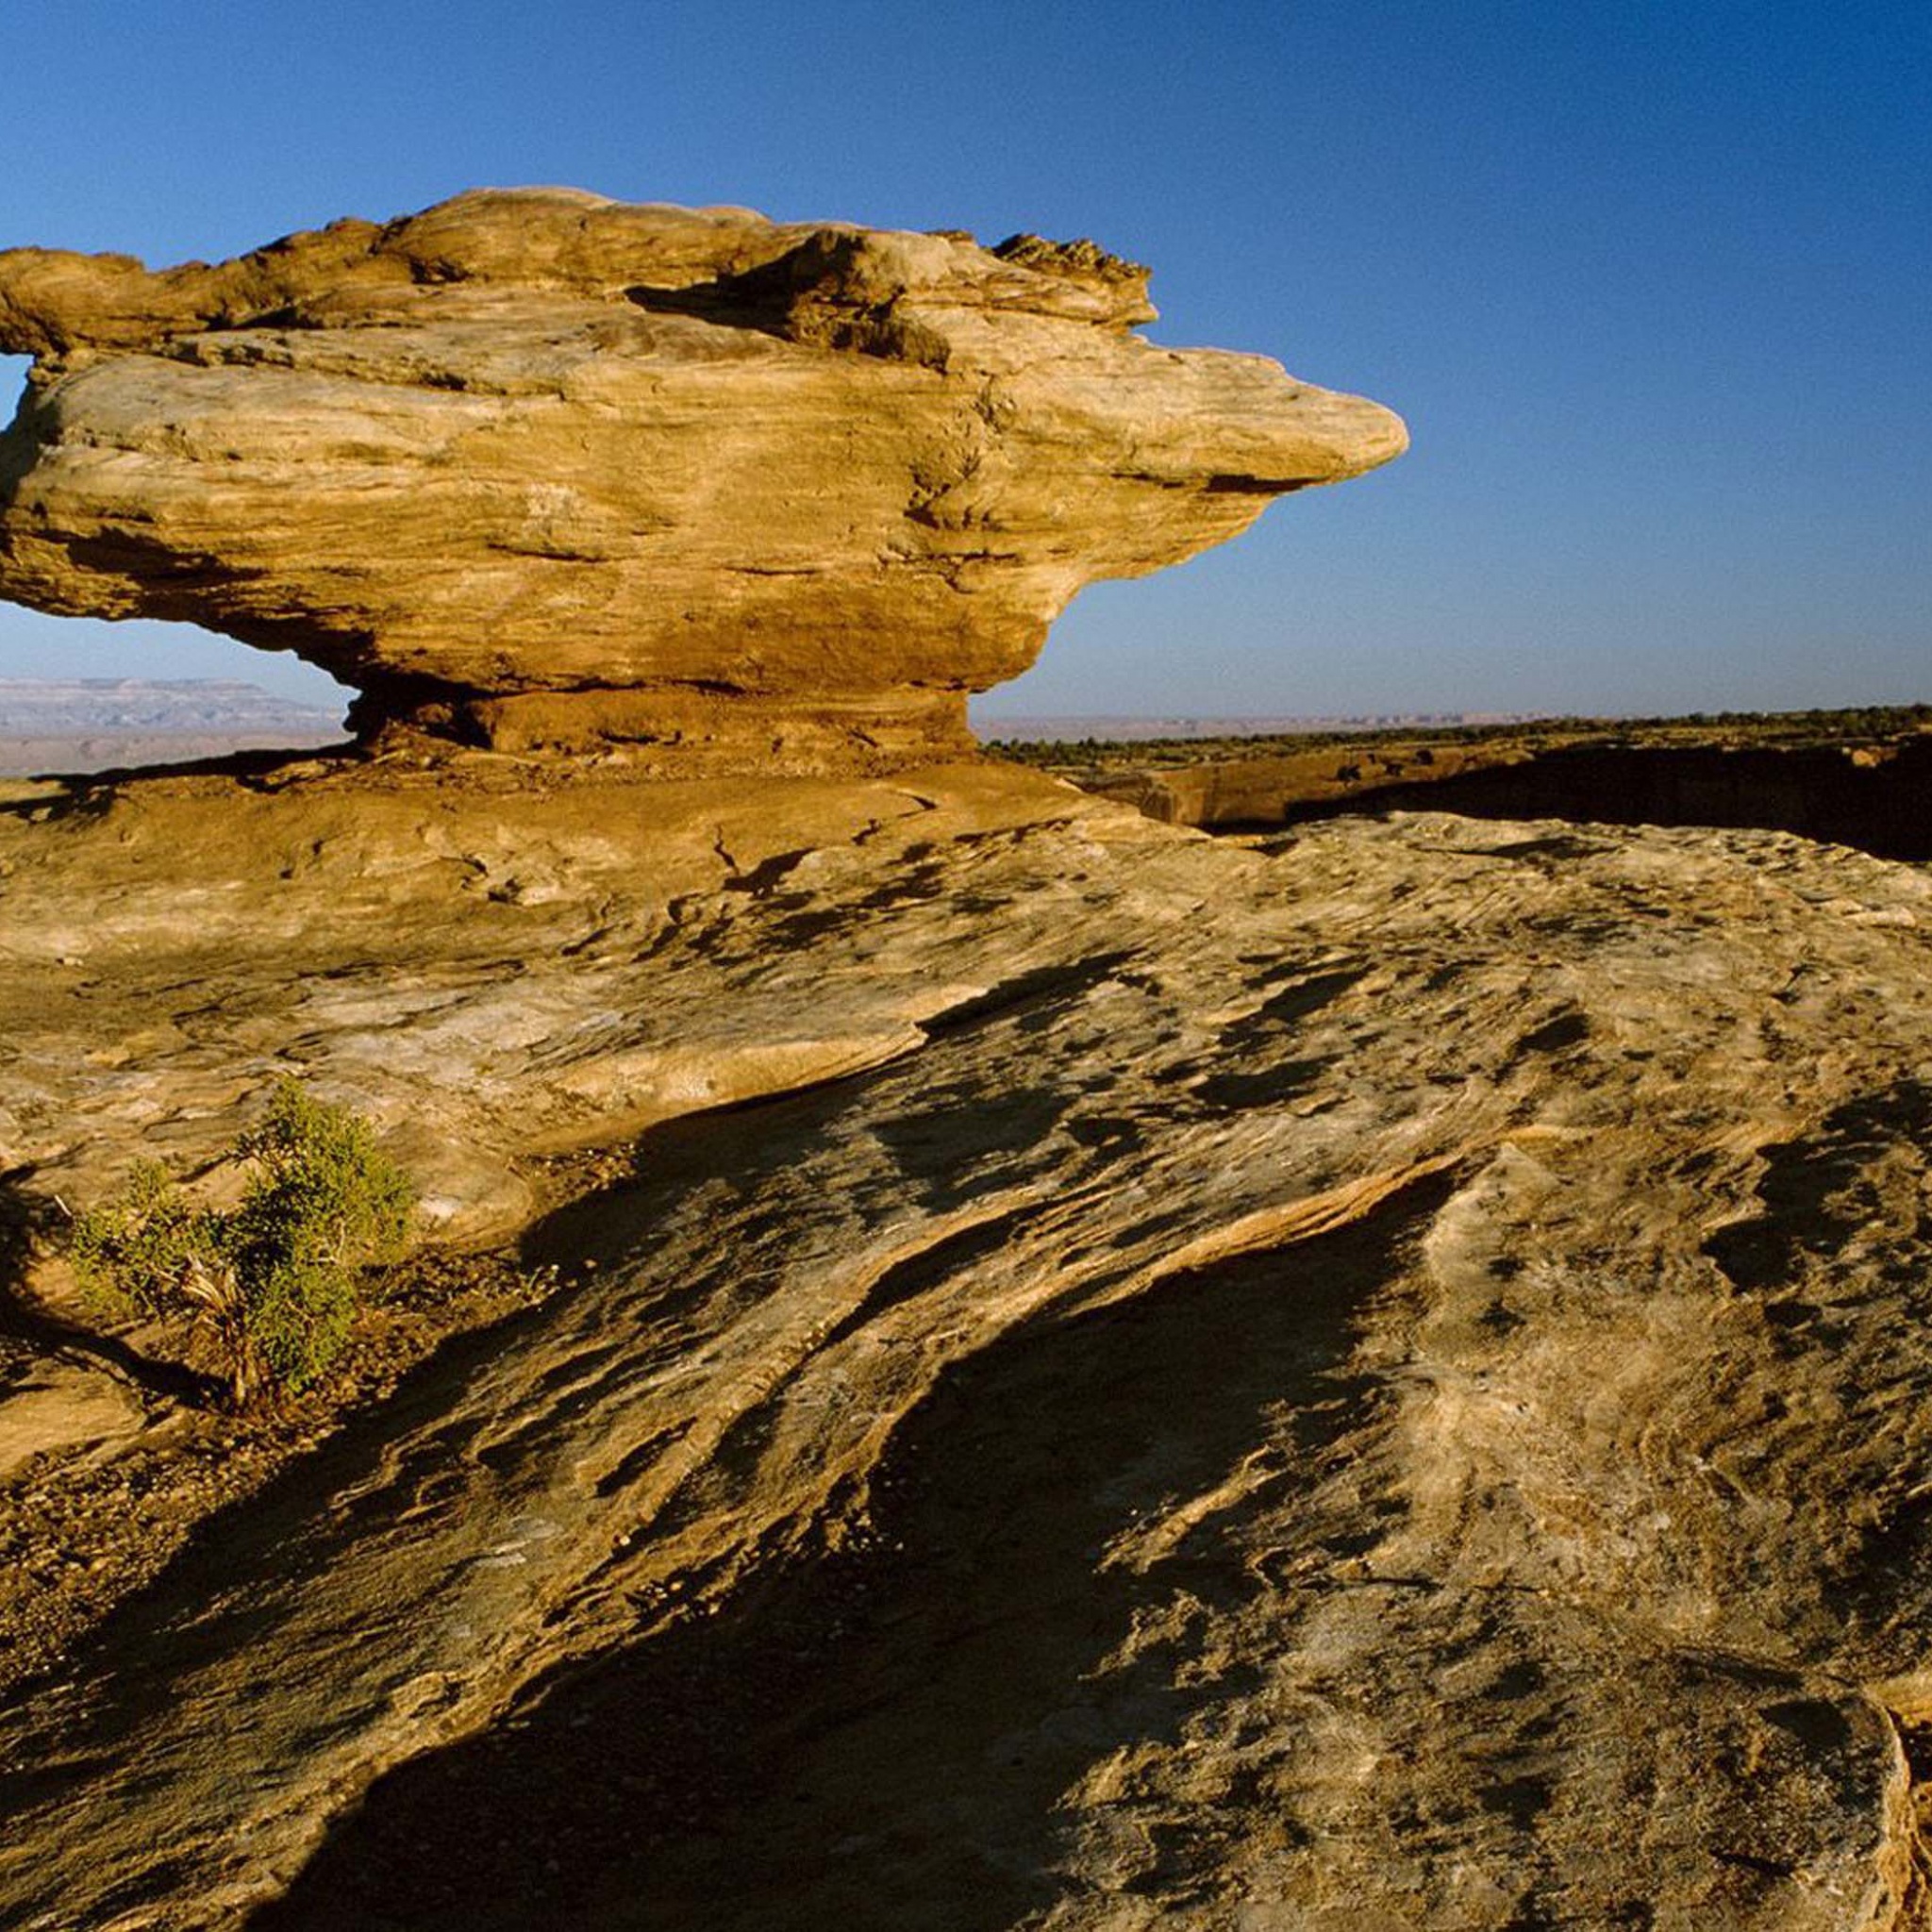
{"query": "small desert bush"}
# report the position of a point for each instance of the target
(272, 1279)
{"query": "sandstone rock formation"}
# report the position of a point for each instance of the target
(1379, 1377)
(535, 468)
(1372, 1377)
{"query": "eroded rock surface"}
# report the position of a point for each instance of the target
(1377, 1378)
(535, 468)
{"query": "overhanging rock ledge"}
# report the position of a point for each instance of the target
(534, 468)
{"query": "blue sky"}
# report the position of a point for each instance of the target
(1650, 283)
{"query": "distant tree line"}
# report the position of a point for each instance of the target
(1859, 725)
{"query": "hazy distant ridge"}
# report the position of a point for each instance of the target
(1033, 729)
(94, 706)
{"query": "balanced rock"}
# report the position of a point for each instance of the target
(537, 468)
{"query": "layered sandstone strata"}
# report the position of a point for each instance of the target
(535, 468)
(1380, 1377)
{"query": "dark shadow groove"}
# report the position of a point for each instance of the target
(1811, 1188)
(91, 794)
(878, 1738)
(1051, 984)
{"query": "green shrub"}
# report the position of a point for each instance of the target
(273, 1278)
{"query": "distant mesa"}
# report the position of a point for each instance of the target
(537, 470)
(46, 707)
(101, 724)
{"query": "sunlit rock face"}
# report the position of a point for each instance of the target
(1382, 1375)
(535, 468)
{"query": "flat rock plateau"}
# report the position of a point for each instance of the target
(1053, 1370)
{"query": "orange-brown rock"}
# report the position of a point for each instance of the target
(535, 468)
(1373, 1377)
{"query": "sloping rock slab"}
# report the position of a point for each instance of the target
(1376, 1379)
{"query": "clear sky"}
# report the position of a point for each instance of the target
(1651, 282)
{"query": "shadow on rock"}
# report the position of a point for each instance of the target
(1884, 808)
(27, 1222)
(879, 1737)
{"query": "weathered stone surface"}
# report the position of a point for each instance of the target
(537, 468)
(62, 1409)
(1380, 1378)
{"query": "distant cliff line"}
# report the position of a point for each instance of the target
(101, 724)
